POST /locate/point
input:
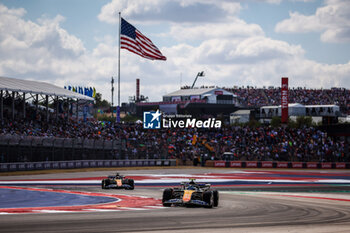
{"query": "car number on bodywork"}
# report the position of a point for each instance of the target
(119, 182)
(187, 195)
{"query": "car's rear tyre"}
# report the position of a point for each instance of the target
(216, 198)
(167, 195)
(104, 183)
(208, 198)
(131, 183)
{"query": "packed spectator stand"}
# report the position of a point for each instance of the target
(257, 97)
(262, 143)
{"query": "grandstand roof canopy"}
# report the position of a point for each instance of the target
(35, 87)
(194, 91)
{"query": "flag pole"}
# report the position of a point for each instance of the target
(118, 107)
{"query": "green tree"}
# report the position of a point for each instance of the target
(101, 103)
(304, 121)
(276, 121)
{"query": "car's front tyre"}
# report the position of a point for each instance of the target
(208, 198)
(167, 195)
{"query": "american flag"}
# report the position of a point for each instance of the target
(134, 41)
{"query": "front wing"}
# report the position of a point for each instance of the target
(180, 202)
(115, 186)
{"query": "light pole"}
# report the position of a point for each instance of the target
(112, 89)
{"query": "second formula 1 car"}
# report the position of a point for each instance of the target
(191, 194)
(118, 181)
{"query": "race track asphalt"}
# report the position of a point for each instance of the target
(241, 209)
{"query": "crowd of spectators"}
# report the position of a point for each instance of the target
(257, 97)
(262, 143)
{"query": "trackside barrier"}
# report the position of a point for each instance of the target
(277, 164)
(28, 166)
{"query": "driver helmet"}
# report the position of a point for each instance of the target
(191, 187)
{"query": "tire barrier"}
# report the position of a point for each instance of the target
(277, 164)
(29, 166)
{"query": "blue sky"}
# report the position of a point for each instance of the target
(236, 43)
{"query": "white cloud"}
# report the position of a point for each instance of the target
(332, 20)
(169, 10)
(235, 29)
(235, 53)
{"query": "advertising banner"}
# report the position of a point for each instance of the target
(340, 165)
(38, 166)
(70, 164)
(282, 165)
(92, 164)
(100, 163)
(114, 163)
(235, 164)
(13, 167)
(311, 165)
(266, 164)
(284, 100)
(252, 164)
(219, 164)
(22, 166)
(107, 163)
(3, 167)
(297, 165)
(326, 165)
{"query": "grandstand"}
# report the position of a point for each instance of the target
(15, 96)
(31, 133)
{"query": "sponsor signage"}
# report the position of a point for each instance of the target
(21, 166)
(30, 166)
(282, 165)
(70, 164)
(297, 165)
(13, 167)
(86, 164)
(63, 165)
(235, 164)
(166, 163)
(3, 167)
(47, 165)
(266, 164)
(340, 165)
(219, 164)
(107, 163)
(252, 164)
(100, 163)
(311, 165)
(326, 165)
(152, 163)
(38, 166)
(114, 163)
(284, 100)
(55, 166)
(92, 164)
(121, 163)
(77, 164)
